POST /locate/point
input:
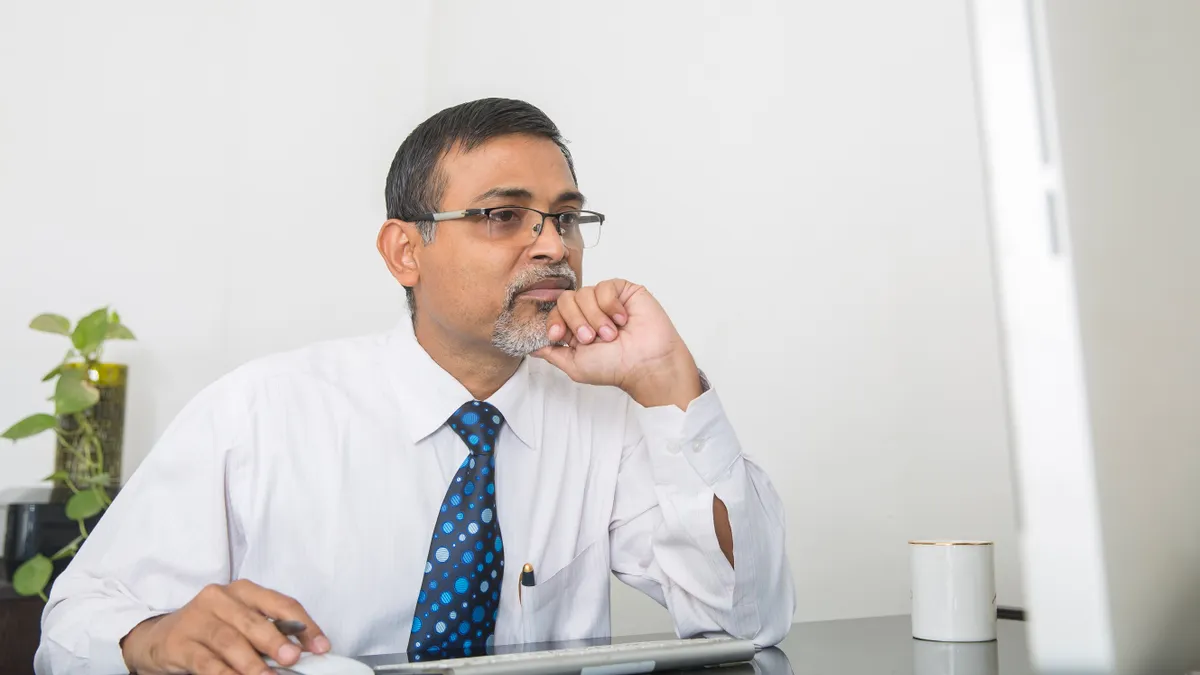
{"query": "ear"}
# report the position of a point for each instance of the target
(399, 243)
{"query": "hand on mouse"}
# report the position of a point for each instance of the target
(224, 630)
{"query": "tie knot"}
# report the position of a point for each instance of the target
(477, 424)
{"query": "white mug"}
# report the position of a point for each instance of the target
(955, 658)
(953, 591)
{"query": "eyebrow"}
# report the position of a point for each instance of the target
(522, 193)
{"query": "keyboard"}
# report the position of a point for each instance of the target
(619, 659)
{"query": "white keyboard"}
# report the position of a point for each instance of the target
(620, 659)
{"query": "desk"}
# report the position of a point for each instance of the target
(867, 647)
(885, 645)
(874, 646)
(20, 626)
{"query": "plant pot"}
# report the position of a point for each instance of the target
(108, 419)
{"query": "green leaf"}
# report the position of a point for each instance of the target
(114, 317)
(74, 393)
(58, 476)
(90, 331)
(52, 374)
(51, 323)
(118, 332)
(83, 505)
(100, 479)
(33, 575)
(30, 426)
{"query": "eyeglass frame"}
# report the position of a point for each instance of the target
(485, 212)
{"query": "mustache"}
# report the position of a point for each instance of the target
(532, 275)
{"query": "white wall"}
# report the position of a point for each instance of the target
(215, 171)
(799, 182)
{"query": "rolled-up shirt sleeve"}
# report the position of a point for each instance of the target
(164, 537)
(663, 537)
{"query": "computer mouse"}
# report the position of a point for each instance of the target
(323, 664)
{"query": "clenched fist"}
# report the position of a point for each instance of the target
(615, 333)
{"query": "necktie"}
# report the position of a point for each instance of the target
(460, 590)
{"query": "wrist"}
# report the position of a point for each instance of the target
(674, 381)
(131, 644)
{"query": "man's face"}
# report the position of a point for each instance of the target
(485, 290)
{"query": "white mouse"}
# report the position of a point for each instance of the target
(323, 664)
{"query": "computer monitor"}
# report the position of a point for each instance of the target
(1090, 126)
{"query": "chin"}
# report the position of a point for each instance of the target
(518, 333)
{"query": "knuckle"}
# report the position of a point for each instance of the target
(224, 636)
(242, 585)
(211, 593)
(202, 660)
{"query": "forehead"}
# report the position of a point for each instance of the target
(516, 160)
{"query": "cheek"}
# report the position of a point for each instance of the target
(474, 284)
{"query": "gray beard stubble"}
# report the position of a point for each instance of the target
(518, 336)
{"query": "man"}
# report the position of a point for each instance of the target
(432, 489)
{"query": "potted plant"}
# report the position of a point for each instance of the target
(88, 421)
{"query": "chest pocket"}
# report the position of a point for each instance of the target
(572, 603)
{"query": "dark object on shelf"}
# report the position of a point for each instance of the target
(39, 527)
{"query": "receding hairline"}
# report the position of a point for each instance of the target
(438, 178)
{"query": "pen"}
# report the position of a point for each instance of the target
(288, 627)
(527, 575)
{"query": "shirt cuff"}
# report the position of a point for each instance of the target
(105, 656)
(702, 435)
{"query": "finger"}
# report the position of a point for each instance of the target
(562, 358)
(608, 297)
(626, 289)
(279, 606)
(556, 328)
(596, 317)
(229, 648)
(256, 629)
(568, 307)
(202, 661)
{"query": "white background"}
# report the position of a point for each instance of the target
(799, 182)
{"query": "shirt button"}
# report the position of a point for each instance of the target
(698, 445)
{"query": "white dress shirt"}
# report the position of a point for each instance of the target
(319, 473)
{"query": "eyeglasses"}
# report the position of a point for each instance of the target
(520, 226)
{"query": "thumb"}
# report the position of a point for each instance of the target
(559, 356)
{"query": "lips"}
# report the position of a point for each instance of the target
(546, 289)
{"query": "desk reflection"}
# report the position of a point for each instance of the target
(767, 662)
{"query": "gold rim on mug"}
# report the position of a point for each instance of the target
(931, 542)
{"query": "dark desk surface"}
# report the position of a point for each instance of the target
(885, 645)
(872, 646)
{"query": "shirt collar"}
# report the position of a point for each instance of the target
(429, 395)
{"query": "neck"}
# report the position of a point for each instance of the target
(481, 368)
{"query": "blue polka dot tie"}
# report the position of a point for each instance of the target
(460, 591)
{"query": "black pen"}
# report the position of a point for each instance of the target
(288, 627)
(527, 575)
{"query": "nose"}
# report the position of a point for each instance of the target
(548, 244)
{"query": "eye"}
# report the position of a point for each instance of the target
(504, 216)
(568, 218)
